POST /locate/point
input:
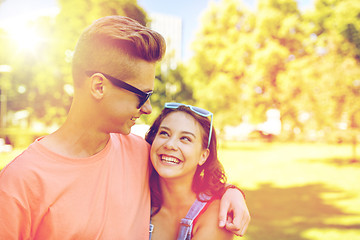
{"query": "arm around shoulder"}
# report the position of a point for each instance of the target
(233, 201)
(207, 226)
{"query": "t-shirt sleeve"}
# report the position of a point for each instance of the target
(14, 218)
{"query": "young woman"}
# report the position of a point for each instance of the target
(188, 175)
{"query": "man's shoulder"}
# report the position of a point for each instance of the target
(20, 167)
(131, 141)
(131, 147)
(129, 137)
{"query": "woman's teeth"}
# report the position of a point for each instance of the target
(170, 159)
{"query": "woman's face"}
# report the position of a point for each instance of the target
(177, 147)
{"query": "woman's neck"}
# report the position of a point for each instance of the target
(177, 200)
(177, 195)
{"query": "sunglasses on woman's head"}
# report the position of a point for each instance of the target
(197, 110)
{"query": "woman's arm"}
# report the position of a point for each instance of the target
(207, 225)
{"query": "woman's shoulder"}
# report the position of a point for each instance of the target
(207, 224)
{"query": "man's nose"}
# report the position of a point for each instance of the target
(146, 108)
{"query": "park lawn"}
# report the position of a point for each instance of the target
(296, 191)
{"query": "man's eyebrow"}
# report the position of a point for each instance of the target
(149, 89)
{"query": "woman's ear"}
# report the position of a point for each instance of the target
(97, 86)
(204, 156)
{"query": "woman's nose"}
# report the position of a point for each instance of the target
(171, 144)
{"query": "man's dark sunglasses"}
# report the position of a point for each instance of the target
(143, 96)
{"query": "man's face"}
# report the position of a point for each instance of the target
(120, 105)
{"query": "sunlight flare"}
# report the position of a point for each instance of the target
(26, 38)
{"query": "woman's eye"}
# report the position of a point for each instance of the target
(186, 139)
(163, 133)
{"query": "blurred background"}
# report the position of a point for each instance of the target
(282, 78)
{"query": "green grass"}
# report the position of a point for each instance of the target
(294, 191)
(297, 191)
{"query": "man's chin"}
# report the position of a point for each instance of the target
(123, 131)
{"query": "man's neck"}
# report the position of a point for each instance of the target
(76, 140)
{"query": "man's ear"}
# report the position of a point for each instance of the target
(97, 86)
(204, 156)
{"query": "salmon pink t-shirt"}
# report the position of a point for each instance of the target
(47, 196)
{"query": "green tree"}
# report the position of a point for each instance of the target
(278, 38)
(222, 56)
(304, 64)
(170, 86)
(239, 54)
(321, 89)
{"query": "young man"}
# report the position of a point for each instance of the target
(89, 179)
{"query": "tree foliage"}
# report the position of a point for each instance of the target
(305, 64)
(222, 58)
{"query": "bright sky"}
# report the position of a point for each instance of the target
(189, 10)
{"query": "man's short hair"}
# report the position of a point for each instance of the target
(107, 41)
